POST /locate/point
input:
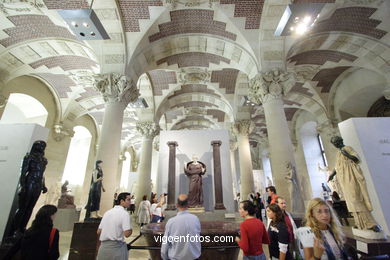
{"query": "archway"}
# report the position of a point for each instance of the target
(76, 161)
(23, 108)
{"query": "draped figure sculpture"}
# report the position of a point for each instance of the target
(351, 180)
(31, 184)
(194, 170)
(294, 188)
(95, 192)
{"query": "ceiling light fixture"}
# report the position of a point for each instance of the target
(91, 29)
(298, 18)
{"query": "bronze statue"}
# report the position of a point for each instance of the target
(351, 179)
(31, 184)
(95, 192)
(194, 170)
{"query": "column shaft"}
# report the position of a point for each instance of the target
(144, 169)
(282, 153)
(109, 149)
(172, 175)
(217, 175)
(246, 171)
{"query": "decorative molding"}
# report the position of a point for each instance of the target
(243, 127)
(194, 76)
(60, 132)
(116, 88)
(190, 3)
(148, 129)
(271, 85)
(156, 144)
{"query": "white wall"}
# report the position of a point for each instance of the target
(196, 142)
(370, 138)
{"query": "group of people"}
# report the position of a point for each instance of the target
(151, 212)
(320, 238)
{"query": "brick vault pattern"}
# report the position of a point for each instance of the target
(132, 11)
(161, 80)
(226, 79)
(326, 77)
(28, 27)
(61, 83)
(66, 4)
(192, 21)
(319, 57)
(352, 19)
(66, 62)
(188, 59)
(250, 9)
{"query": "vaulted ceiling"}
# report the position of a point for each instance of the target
(192, 59)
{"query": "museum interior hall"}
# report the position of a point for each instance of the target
(217, 99)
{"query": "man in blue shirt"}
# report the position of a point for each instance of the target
(182, 234)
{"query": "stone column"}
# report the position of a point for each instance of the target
(217, 175)
(148, 130)
(233, 148)
(117, 92)
(121, 159)
(268, 89)
(172, 175)
(303, 174)
(242, 129)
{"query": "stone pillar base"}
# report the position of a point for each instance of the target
(219, 206)
(196, 210)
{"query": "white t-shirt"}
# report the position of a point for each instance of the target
(155, 210)
(115, 221)
(306, 237)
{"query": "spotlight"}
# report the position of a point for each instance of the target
(298, 17)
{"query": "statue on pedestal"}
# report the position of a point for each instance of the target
(351, 179)
(294, 189)
(194, 170)
(66, 201)
(54, 193)
(31, 184)
(95, 192)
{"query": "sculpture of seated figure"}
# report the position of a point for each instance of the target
(66, 201)
(194, 170)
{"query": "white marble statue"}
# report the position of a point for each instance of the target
(294, 188)
(333, 184)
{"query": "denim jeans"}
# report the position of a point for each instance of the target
(255, 257)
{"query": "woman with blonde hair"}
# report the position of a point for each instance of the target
(322, 237)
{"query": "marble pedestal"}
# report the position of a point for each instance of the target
(65, 219)
(366, 247)
(85, 242)
(216, 215)
(208, 228)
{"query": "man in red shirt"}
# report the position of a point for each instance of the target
(272, 194)
(252, 232)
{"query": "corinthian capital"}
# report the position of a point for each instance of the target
(148, 129)
(243, 127)
(270, 85)
(116, 88)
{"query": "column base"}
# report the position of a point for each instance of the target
(219, 206)
(171, 207)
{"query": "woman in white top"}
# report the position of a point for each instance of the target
(144, 211)
(322, 237)
(156, 211)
